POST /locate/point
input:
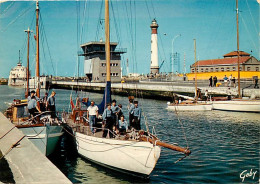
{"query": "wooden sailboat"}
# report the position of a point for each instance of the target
(46, 131)
(239, 104)
(135, 152)
(191, 104)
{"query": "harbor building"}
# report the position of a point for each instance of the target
(249, 67)
(228, 63)
(154, 48)
(17, 76)
(95, 61)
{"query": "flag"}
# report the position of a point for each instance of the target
(71, 103)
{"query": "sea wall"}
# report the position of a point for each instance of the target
(160, 90)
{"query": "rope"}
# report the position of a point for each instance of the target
(181, 126)
(13, 146)
(180, 159)
(7, 132)
(24, 12)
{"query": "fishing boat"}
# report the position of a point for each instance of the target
(238, 104)
(17, 76)
(135, 152)
(191, 104)
(43, 130)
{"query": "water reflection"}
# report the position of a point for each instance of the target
(223, 144)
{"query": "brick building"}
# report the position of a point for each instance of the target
(228, 63)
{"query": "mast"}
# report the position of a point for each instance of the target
(27, 68)
(19, 61)
(37, 52)
(107, 34)
(195, 58)
(238, 64)
(107, 96)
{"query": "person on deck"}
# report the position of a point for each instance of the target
(92, 114)
(120, 112)
(50, 105)
(123, 125)
(107, 117)
(44, 100)
(130, 108)
(115, 110)
(32, 93)
(137, 116)
(32, 106)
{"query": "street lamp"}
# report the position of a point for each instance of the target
(172, 51)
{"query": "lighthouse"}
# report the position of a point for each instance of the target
(154, 48)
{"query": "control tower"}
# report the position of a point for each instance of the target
(95, 61)
(154, 48)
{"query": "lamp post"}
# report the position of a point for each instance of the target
(172, 51)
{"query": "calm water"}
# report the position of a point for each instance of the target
(223, 144)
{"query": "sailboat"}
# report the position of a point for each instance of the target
(192, 104)
(135, 152)
(45, 132)
(237, 104)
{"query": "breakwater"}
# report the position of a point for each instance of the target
(158, 90)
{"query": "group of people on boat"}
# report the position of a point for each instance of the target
(47, 103)
(113, 118)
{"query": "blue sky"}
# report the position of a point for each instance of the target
(67, 24)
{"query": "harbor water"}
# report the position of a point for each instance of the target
(225, 145)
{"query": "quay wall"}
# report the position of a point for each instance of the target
(162, 90)
(220, 75)
(26, 162)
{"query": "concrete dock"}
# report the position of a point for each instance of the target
(26, 162)
(164, 90)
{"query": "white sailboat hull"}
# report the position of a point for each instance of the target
(127, 156)
(45, 138)
(237, 105)
(190, 107)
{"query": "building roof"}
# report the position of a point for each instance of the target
(97, 43)
(234, 54)
(223, 61)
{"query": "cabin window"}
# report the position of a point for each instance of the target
(248, 68)
(256, 68)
